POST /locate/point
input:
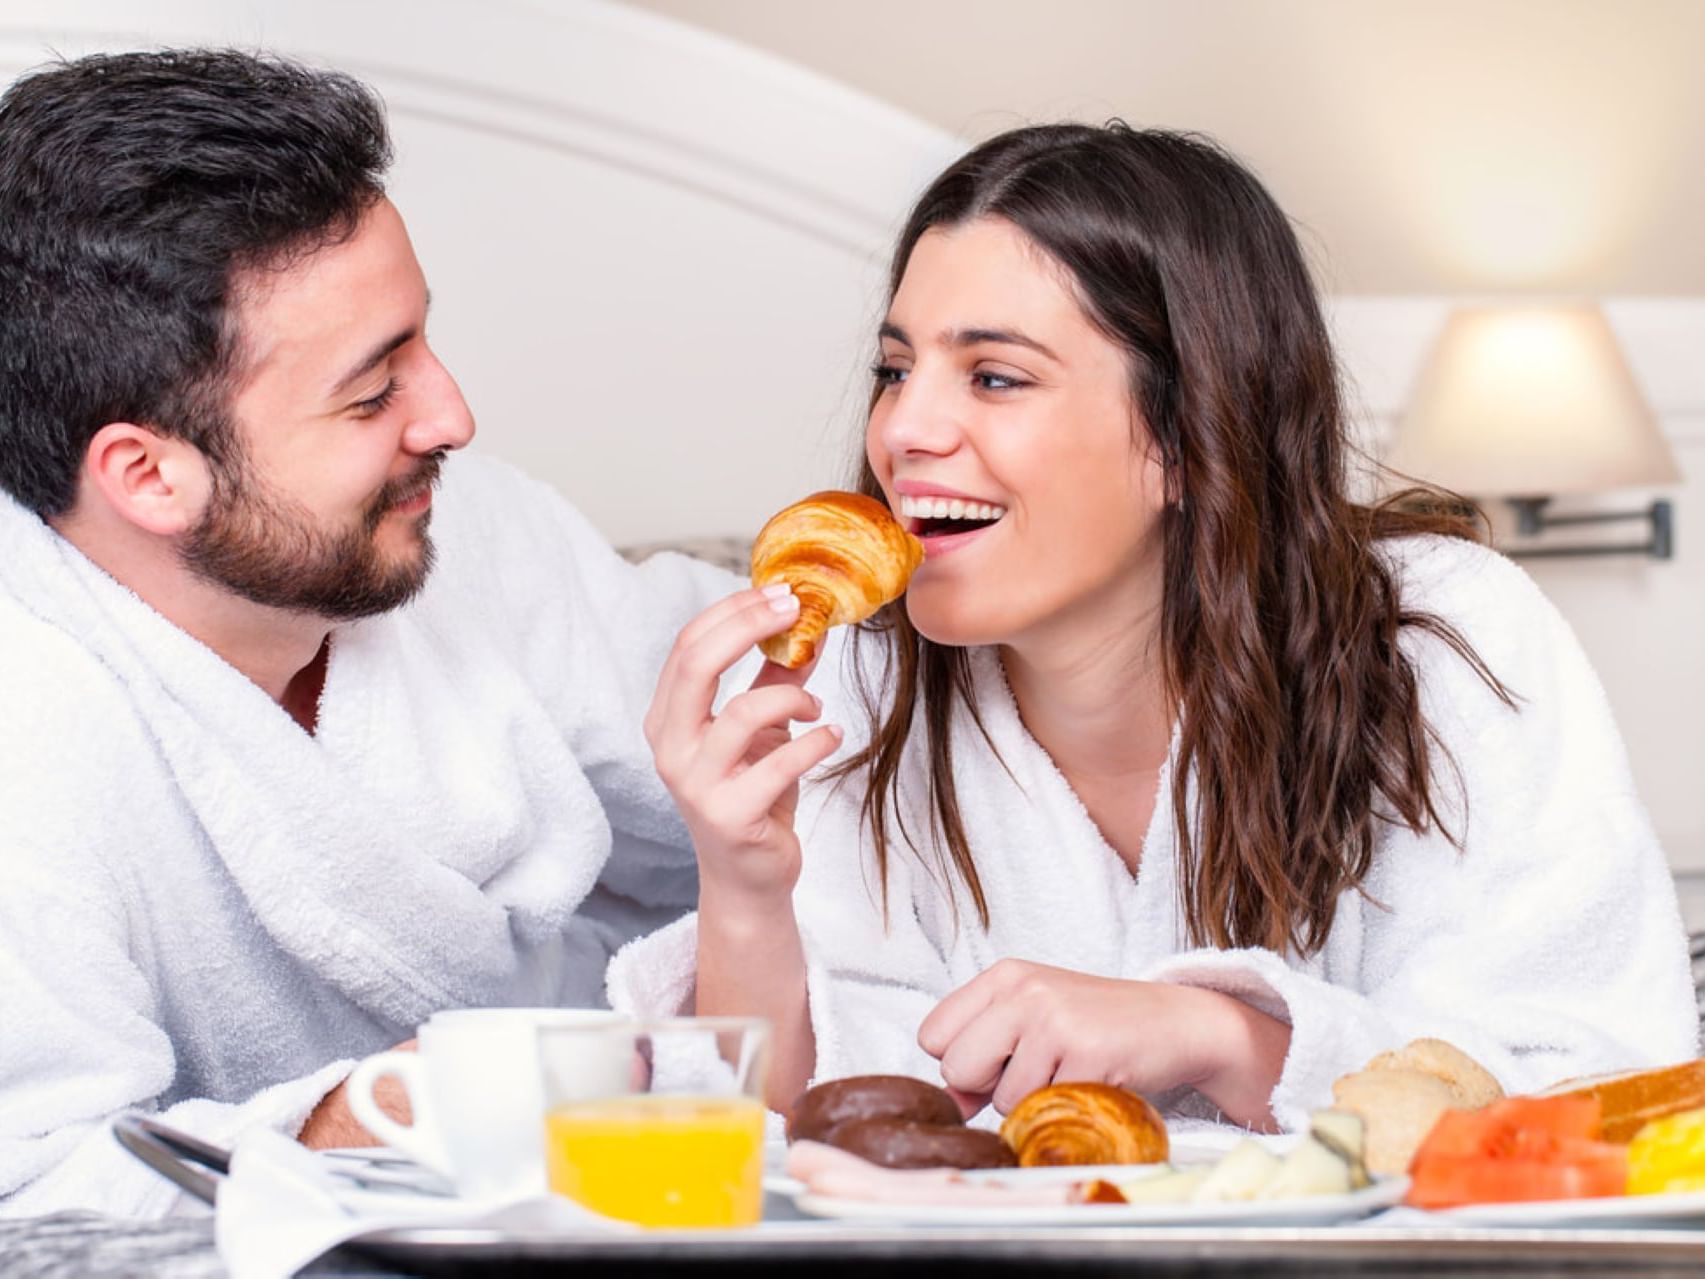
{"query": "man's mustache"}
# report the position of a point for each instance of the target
(403, 487)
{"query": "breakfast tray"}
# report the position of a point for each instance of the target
(826, 1248)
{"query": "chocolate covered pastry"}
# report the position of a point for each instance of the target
(895, 1121)
(906, 1143)
(842, 1101)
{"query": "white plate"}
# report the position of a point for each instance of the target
(1313, 1210)
(1684, 1209)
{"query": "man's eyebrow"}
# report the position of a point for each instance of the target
(375, 357)
(973, 337)
(370, 361)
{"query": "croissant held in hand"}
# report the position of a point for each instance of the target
(844, 555)
(1085, 1124)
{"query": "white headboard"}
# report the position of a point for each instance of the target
(655, 255)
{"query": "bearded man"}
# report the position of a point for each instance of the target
(307, 731)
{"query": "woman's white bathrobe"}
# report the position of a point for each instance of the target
(1550, 946)
(206, 912)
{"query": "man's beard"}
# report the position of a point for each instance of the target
(266, 547)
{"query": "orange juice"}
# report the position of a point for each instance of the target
(660, 1160)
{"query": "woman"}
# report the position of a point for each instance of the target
(1177, 767)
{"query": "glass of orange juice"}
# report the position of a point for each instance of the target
(678, 1143)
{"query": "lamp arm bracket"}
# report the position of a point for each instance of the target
(1532, 518)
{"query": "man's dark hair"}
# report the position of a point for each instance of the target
(135, 189)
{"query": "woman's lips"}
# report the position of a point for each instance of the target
(943, 543)
(942, 515)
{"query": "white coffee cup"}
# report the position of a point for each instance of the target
(474, 1088)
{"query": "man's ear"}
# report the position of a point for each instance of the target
(157, 483)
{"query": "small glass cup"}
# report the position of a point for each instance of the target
(679, 1142)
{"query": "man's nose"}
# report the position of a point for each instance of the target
(443, 419)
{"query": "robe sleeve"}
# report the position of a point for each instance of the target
(81, 1043)
(1550, 945)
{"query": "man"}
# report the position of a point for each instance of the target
(273, 787)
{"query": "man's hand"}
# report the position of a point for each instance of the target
(331, 1126)
(1019, 1026)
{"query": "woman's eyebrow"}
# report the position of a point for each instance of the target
(972, 337)
(1007, 337)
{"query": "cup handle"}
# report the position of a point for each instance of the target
(419, 1140)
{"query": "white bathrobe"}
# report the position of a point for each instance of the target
(1550, 946)
(208, 913)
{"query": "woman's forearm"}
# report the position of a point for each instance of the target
(751, 963)
(1246, 1059)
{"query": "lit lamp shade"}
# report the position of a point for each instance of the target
(1530, 402)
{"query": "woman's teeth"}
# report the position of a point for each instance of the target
(944, 508)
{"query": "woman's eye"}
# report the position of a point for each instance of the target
(888, 375)
(997, 381)
(378, 403)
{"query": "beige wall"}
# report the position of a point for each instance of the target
(1428, 145)
(1641, 621)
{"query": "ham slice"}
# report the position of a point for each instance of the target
(839, 1175)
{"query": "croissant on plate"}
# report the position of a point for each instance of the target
(1085, 1124)
(844, 555)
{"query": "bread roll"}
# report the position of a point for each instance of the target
(1468, 1079)
(1398, 1107)
(1400, 1095)
(1636, 1097)
(1082, 1123)
(844, 555)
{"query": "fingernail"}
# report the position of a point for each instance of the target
(775, 590)
(785, 604)
(817, 703)
(835, 731)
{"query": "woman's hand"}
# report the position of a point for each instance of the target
(735, 775)
(1019, 1026)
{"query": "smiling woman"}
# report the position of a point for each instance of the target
(1011, 397)
(1175, 768)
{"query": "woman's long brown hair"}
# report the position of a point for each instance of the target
(1299, 713)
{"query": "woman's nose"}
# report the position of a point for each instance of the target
(917, 416)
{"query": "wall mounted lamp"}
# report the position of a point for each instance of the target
(1529, 403)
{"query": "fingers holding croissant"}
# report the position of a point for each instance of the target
(844, 555)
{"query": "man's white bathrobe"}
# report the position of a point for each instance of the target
(1551, 945)
(207, 912)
